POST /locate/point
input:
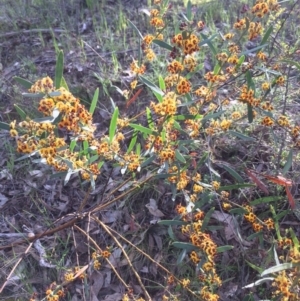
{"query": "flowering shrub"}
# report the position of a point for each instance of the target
(184, 118)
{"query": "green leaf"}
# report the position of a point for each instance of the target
(240, 61)
(207, 41)
(149, 119)
(253, 49)
(171, 233)
(184, 245)
(179, 156)
(267, 199)
(181, 256)
(158, 96)
(85, 145)
(207, 218)
(136, 29)
(142, 129)
(254, 267)
(288, 163)
(217, 68)
(113, 124)
(25, 83)
(55, 93)
(4, 126)
(237, 186)
(171, 222)
(279, 268)
(162, 44)
(238, 211)
(212, 116)
(34, 95)
(64, 84)
(250, 113)
(266, 36)
(59, 69)
(152, 86)
(161, 82)
(72, 145)
(93, 159)
(189, 11)
(291, 62)
(241, 136)
(232, 172)
(224, 248)
(132, 142)
(21, 113)
(294, 239)
(94, 101)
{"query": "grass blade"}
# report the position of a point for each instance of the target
(113, 124)
(94, 101)
(59, 69)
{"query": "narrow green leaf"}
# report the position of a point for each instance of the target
(179, 156)
(132, 142)
(148, 161)
(255, 49)
(184, 245)
(240, 61)
(171, 223)
(162, 44)
(25, 83)
(59, 69)
(54, 94)
(267, 199)
(250, 113)
(113, 124)
(224, 248)
(158, 96)
(212, 116)
(207, 41)
(85, 145)
(266, 35)
(189, 11)
(207, 218)
(237, 186)
(21, 113)
(33, 95)
(142, 129)
(64, 84)
(232, 172)
(238, 211)
(291, 62)
(181, 257)
(294, 239)
(217, 68)
(162, 84)
(171, 233)
(254, 267)
(72, 145)
(136, 29)
(288, 163)
(149, 119)
(94, 101)
(4, 126)
(152, 86)
(61, 174)
(279, 268)
(93, 159)
(241, 136)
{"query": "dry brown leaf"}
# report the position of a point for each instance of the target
(152, 207)
(230, 228)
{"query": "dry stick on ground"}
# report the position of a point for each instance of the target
(152, 260)
(107, 230)
(15, 266)
(100, 250)
(77, 217)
